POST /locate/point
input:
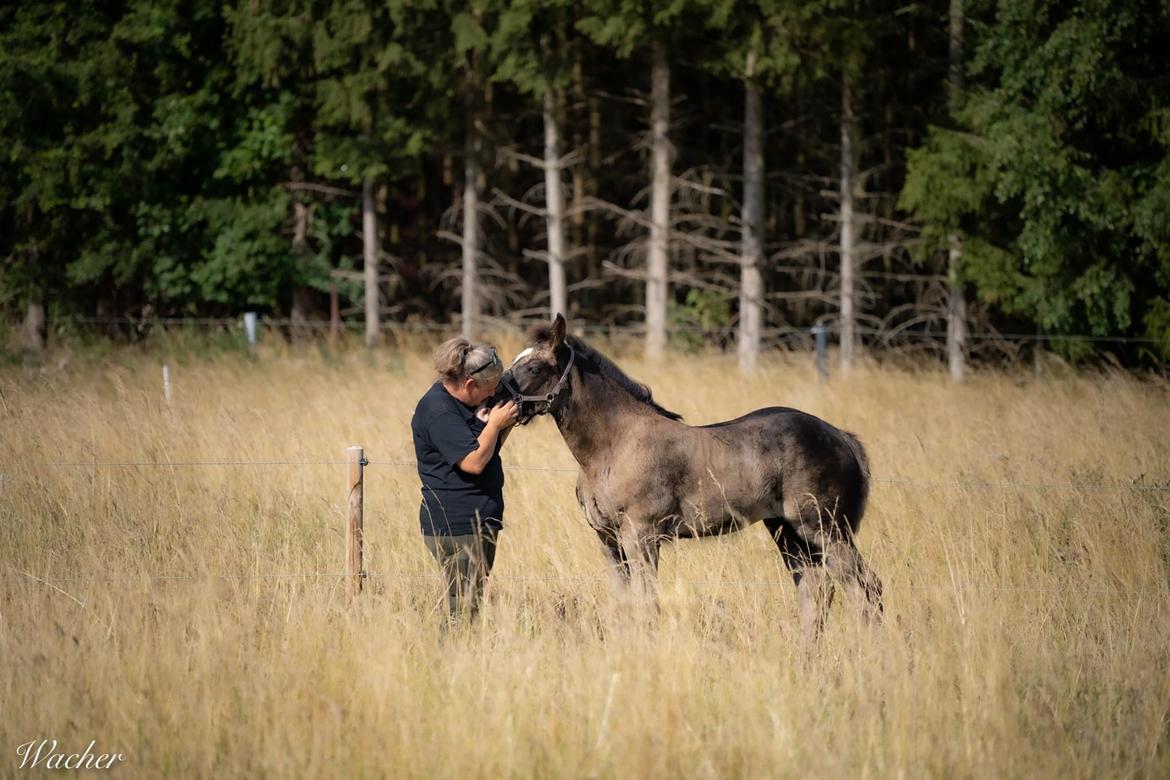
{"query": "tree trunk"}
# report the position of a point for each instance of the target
(956, 302)
(591, 184)
(34, 326)
(302, 300)
(301, 296)
(555, 200)
(751, 285)
(955, 60)
(656, 259)
(471, 227)
(370, 256)
(847, 247)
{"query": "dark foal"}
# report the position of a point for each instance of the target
(646, 476)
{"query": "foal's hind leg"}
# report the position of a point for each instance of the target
(847, 566)
(814, 585)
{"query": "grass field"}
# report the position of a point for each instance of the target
(167, 613)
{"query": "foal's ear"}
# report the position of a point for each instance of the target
(557, 335)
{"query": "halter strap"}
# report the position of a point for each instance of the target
(548, 398)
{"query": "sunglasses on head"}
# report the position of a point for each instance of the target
(495, 358)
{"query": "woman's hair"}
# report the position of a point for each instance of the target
(458, 359)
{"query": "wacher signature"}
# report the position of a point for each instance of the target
(44, 753)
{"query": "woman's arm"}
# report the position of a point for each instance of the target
(476, 462)
(500, 420)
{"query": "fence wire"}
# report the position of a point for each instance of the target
(633, 329)
(1156, 486)
(781, 582)
(131, 579)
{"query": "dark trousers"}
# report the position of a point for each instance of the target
(466, 561)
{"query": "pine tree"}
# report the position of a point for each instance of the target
(1055, 168)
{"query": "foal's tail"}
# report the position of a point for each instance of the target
(863, 487)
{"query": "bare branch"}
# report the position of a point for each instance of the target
(674, 277)
(323, 188)
(519, 205)
(684, 183)
(535, 162)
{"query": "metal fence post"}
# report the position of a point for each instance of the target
(250, 330)
(821, 334)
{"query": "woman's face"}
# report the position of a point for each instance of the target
(479, 392)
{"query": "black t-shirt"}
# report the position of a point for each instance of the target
(454, 502)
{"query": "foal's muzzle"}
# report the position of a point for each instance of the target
(529, 407)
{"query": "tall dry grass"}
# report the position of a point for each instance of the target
(1027, 630)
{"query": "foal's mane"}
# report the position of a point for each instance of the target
(589, 359)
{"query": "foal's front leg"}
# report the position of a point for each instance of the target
(640, 542)
(619, 565)
(607, 532)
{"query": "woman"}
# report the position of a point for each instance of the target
(458, 453)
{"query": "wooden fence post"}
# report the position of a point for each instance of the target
(356, 460)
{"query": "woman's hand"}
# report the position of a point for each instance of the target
(504, 416)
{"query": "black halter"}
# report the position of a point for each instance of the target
(549, 398)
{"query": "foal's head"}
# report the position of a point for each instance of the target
(540, 372)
